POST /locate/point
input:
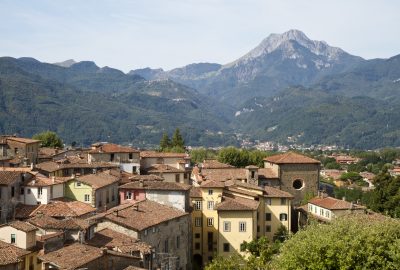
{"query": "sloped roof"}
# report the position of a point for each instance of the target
(47, 222)
(155, 185)
(73, 256)
(111, 239)
(98, 180)
(163, 168)
(22, 140)
(148, 214)
(21, 226)
(10, 254)
(237, 204)
(212, 184)
(51, 166)
(291, 158)
(61, 207)
(155, 154)
(215, 164)
(271, 192)
(146, 177)
(9, 177)
(334, 204)
(113, 148)
(195, 192)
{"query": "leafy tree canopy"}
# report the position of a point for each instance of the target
(48, 139)
(358, 242)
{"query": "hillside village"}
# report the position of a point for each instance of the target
(115, 207)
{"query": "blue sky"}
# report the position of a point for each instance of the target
(171, 33)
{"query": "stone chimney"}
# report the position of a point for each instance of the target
(141, 183)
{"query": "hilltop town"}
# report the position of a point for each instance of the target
(115, 207)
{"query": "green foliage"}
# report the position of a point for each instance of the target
(241, 157)
(352, 195)
(48, 139)
(332, 165)
(281, 235)
(177, 139)
(200, 154)
(385, 198)
(352, 176)
(165, 142)
(358, 242)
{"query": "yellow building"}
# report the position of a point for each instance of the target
(225, 214)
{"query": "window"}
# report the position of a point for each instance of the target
(197, 222)
(145, 232)
(178, 241)
(253, 174)
(13, 238)
(154, 229)
(321, 211)
(22, 191)
(197, 235)
(166, 246)
(130, 156)
(210, 192)
(242, 226)
(297, 184)
(210, 205)
(227, 226)
(226, 247)
(327, 214)
(268, 201)
(210, 222)
(268, 228)
(112, 157)
(197, 245)
(283, 217)
(12, 191)
(40, 192)
(310, 207)
(283, 201)
(258, 228)
(177, 178)
(87, 198)
(29, 191)
(268, 216)
(160, 161)
(78, 184)
(129, 195)
(197, 205)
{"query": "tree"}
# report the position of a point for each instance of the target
(351, 242)
(48, 139)
(177, 139)
(165, 142)
(352, 176)
(385, 198)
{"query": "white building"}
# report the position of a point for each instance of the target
(40, 189)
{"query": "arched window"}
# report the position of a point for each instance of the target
(283, 217)
(298, 184)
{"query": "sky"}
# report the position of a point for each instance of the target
(131, 34)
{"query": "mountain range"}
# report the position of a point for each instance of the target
(287, 89)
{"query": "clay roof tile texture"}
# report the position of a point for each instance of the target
(291, 158)
(334, 204)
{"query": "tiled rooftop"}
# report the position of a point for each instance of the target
(291, 158)
(112, 148)
(155, 154)
(98, 180)
(334, 204)
(155, 185)
(10, 254)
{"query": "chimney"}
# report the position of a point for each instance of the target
(32, 166)
(141, 183)
(53, 179)
(72, 176)
(135, 207)
(344, 198)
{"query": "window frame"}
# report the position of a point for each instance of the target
(283, 215)
(210, 222)
(227, 226)
(210, 205)
(242, 226)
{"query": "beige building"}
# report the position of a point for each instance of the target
(225, 214)
(127, 158)
(24, 149)
(325, 208)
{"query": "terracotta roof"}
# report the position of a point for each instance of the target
(163, 168)
(22, 140)
(58, 208)
(115, 240)
(133, 268)
(112, 148)
(10, 254)
(215, 164)
(52, 166)
(237, 204)
(334, 204)
(48, 152)
(21, 226)
(73, 256)
(155, 154)
(9, 177)
(271, 192)
(291, 158)
(40, 180)
(212, 184)
(98, 180)
(242, 191)
(156, 185)
(195, 192)
(222, 175)
(267, 173)
(146, 177)
(46, 222)
(149, 214)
